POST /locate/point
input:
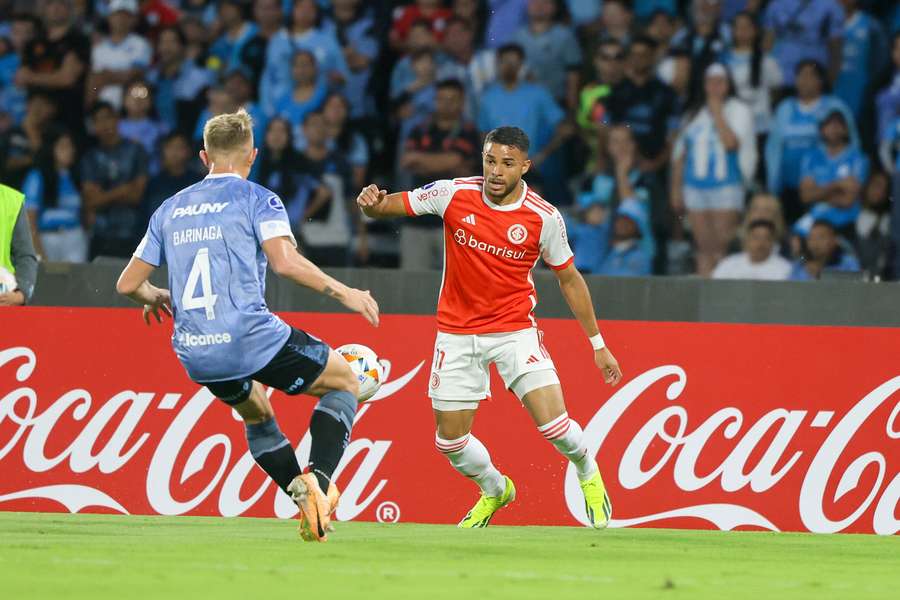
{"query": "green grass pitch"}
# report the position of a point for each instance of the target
(99, 556)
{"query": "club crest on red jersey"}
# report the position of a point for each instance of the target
(517, 234)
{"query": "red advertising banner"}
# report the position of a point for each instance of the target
(714, 426)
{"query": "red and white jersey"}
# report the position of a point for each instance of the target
(489, 253)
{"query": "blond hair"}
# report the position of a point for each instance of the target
(227, 133)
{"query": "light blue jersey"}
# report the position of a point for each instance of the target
(863, 54)
(825, 169)
(210, 235)
(794, 132)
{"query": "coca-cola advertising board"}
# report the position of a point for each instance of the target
(780, 428)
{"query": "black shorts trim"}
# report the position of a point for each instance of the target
(292, 370)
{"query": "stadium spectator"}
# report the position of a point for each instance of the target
(17, 255)
(416, 101)
(13, 99)
(459, 52)
(178, 82)
(428, 11)
(20, 145)
(585, 13)
(646, 104)
(551, 51)
(760, 258)
(218, 102)
(227, 51)
(343, 138)
(702, 41)
(139, 125)
(766, 207)
(506, 17)
(757, 76)
(887, 101)
(795, 131)
(308, 93)
(474, 12)
(53, 201)
(304, 32)
(661, 27)
(444, 147)
(822, 254)
(592, 115)
(622, 181)
(628, 255)
(589, 230)
(121, 56)
(268, 18)
(513, 102)
(863, 53)
(646, 10)
(326, 221)
(404, 75)
(56, 63)
(176, 173)
(873, 225)
(617, 21)
(831, 177)
(238, 82)
(714, 158)
(276, 169)
(113, 178)
(804, 30)
(196, 35)
(357, 34)
(158, 15)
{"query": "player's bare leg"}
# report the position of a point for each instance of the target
(548, 410)
(469, 456)
(330, 426)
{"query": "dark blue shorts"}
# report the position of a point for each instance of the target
(296, 366)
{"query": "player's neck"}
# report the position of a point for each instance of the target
(510, 198)
(225, 170)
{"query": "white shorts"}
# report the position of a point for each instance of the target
(460, 370)
(729, 197)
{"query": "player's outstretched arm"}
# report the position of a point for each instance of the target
(578, 297)
(378, 204)
(286, 262)
(134, 283)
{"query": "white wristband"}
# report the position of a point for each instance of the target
(597, 342)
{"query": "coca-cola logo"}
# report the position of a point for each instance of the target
(33, 432)
(684, 447)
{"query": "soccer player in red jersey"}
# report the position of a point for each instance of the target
(495, 230)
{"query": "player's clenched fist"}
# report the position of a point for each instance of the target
(370, 196)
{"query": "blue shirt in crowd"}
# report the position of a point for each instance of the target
(551, 55)
(185, 86)
(863, 54)
(626, 260)
(527, 106)
(210, 235)
(276, 78)
(227, 52)
(67, 212)
(845, 262)
(803, 30)
(824, 169)
(794, 132)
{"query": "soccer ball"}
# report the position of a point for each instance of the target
(7, 281)
(364, 364)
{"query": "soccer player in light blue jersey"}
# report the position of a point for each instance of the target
(217, 236)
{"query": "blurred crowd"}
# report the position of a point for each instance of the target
(723, 138)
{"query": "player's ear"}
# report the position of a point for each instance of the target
(526, 166)
(204, 158)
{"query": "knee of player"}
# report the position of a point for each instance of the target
(349, 383)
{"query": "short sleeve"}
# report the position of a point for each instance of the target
(430, 199)
(270, 219)
(555, 248)
(150, 250)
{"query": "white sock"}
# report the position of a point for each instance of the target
(469, 456)
(567, 436)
